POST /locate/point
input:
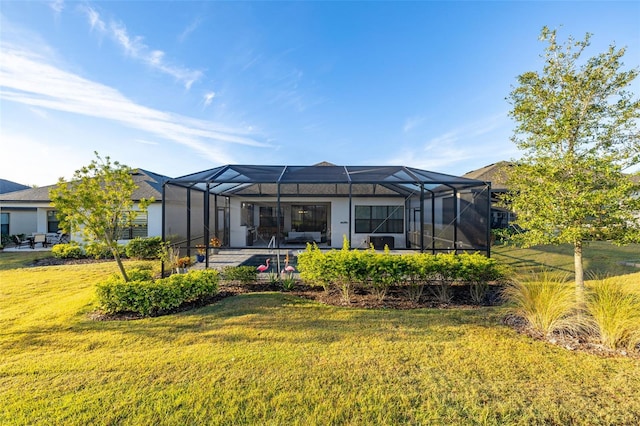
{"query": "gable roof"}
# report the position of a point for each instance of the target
(494, 173)
(149, 185)
(9, 186)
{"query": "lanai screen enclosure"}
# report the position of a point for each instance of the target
(274, 206)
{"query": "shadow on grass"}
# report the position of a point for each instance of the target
(270, 318)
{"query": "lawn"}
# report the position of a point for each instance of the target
(271, 358)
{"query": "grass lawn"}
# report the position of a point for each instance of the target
(270, 358)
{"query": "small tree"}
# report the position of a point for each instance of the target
(98, 203)
(576, 124)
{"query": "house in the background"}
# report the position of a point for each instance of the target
(9, 186)
(495, 173)
(30, 210)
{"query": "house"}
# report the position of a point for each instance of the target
(495, 173)
(9, 186)
(273, 206)
(30, 210)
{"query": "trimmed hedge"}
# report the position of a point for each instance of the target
(243, 274)
(145, 248)
(67, 251)
(378, 271)
(148, 297)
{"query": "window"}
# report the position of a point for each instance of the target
(309, 218)
(268, 217)
(246, 214)
(4, 223)
(379, 219)
(136, 228)
(52, 221)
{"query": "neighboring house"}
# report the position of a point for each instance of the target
(5, 187)
(495, 173)
(30, 210)
(8, 186)
(402, 207)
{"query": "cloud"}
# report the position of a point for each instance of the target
(26, 78)
(208, 98)
(135, 48)
(57, 6)
(411, 123)
(190, 28)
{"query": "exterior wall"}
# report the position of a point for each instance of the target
(154, 220)
(22, 221)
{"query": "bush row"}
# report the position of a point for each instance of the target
(378, 271)
(146, 296)
(138, 248)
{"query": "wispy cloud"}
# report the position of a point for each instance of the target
(57, 6)
(193, 25)
(27, 78)
(208, 98)
(411, 123)
(135, 48)
(477, 141)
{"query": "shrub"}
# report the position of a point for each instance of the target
(446, 269)
(243, 274)
(67, 251)
(288, 283)
(99, 250)
(546, 302)
(148, 297)
(145, 248)
(615, 314)
(478, 270)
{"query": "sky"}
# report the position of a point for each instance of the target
(180, 87)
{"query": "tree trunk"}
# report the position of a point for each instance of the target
(579, 271)
(114, 250)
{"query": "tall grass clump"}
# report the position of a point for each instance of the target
(546, 301)
(615, 313)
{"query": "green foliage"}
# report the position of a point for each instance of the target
(288, 283)
(67, 251)
(378, 271)
(242, 274)
(544, 300)
(145, 248)
(147, 297)
(615, 313)
(97, 203)
(98, 250)
(576, 124)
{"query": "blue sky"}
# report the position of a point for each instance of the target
(179, 87)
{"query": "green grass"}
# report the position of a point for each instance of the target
(600, 258)
(272, 358)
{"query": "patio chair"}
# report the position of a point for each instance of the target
(20, 242)
(39, 238)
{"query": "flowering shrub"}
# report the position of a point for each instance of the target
(215, 242)
(184, 262)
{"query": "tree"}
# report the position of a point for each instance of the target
(576, 126)
(98, 203)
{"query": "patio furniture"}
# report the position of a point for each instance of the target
(39, 239)
(20, 242)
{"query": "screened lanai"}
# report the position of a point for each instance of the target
(273, 206)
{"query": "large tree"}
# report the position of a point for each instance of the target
(97, 203)
(576, 125)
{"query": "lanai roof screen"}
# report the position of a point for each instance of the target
(232, 179)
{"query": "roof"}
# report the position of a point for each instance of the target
(321, 179)
(494, 173)
(149, 185)
(9, 186)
